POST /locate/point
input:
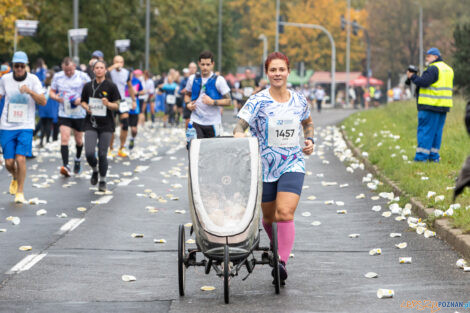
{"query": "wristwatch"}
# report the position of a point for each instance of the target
(311, 139)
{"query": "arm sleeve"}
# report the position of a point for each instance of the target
(54, 83)
(37, 86)
(429, 77)
(115, 95)
(222, 86)
(2, 87)
(85, 77)
(84, 97)
(306, 109)
(189, 84)
(250, 110)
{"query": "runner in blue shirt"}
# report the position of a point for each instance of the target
(134, 113)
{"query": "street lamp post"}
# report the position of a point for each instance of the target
(357, 26)
(219, 44)
(147, 35)
(75, 26)
(348, 47)
(265, 49)
(276, 46)
(333, 52)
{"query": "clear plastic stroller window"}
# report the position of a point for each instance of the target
(225, 186)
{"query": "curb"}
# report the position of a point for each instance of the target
(453, 236)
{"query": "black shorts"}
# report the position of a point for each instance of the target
(186, 113)
(77, 124)
(204, 131)
(288, 182)
(133, 119)
(179, 102)
(169, 108)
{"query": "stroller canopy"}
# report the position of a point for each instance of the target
(224, 182)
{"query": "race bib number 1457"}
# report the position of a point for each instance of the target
(283, 132)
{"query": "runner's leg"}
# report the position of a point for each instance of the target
(64, 143)
(103, 144)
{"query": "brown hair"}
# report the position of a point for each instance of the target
(276, 56)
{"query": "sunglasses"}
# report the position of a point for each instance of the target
(19, 65)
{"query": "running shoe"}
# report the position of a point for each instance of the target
(94, 178)
(111, 153)
(282, 273)
(131, 144)
(13, 187)
(19, 198)
(122, 153)
(102, 186)
(65, 170)
(77, 167)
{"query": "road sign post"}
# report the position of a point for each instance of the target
(24, 28)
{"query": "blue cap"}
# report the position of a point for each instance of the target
(434, 51)
(98, 54)
(20, 57)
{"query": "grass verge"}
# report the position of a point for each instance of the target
(388, 135)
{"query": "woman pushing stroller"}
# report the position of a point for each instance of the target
(274, 116)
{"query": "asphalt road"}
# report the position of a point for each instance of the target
(76, 262)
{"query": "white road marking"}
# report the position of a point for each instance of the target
(70, 225)
(27, 263)
(102, 200)
(125, 182)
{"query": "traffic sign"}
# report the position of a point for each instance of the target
(122, 45)
(26, 27)
(78, 34)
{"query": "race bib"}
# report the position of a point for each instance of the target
(69, 111)
(170, 99)
(283, 132)
(97, 107)
(125, 105)
(247, 91)
(17, 113)
(144, 97)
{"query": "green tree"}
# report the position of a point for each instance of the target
(461, 57)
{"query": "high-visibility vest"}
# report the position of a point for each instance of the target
(439, 94)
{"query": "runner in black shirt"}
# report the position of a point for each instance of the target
(100, 99)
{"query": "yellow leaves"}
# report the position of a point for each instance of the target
(311, 46)
(10, 11)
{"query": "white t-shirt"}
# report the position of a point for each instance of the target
(207, 114)
(319, 94)
(10, 89)
(70, 88)
(120, 78)
(149, 86)
(397, 93)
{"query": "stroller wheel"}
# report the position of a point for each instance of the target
(226, 274)
(277, 279)
(181, 258)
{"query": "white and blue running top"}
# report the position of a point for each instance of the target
(277, 127)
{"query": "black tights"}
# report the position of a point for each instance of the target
(46, 128)
(92, 137)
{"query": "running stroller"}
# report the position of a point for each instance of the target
(225, 189)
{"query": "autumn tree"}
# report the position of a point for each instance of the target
(252, 18)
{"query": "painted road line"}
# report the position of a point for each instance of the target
(70, 225)
(102, 200)
(27, 263)
(125, 182)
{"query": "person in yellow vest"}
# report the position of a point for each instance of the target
(434, 101)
